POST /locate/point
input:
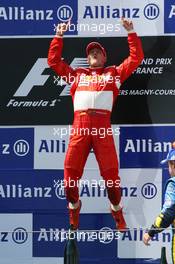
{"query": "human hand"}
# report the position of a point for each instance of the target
(62, 28)
(146, 239)
(127, 24)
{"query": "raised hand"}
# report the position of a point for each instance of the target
(146, 239)
(62, 28)
(127, 24)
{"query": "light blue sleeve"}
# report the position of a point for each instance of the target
(169, 200)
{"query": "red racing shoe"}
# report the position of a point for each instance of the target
(74, 216)
(119, 219)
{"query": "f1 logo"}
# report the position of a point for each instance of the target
(34, 77)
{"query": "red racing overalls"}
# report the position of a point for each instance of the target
(93, 92)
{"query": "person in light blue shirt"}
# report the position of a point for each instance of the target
(167, 214)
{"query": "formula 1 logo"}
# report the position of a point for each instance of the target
(33, 78)
(36, 78)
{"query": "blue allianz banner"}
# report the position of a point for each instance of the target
(145, 146)
(22, 17)
(97, 240)
(31, 190)
(16, 148)
(50, 238)
(169, 16)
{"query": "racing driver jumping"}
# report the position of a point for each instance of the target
(93, 101)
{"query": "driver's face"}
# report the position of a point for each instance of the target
(171, 167)
(96, 58)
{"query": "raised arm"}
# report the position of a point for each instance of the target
(55, 53)
(136, 55)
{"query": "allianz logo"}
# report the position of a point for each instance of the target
(137, 235)
(63, 13)
(26, 192)
(52, 146)
(21, 13)
(19, 235)
(172, 12)
(100, 11)
(146, 145)
(148, 191)
(19, 191)
(151, 11)
(85, 191)
(56, 234)
(95, 191)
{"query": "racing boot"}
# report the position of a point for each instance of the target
(119, 219)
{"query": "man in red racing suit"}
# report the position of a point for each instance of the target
(94, 91)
